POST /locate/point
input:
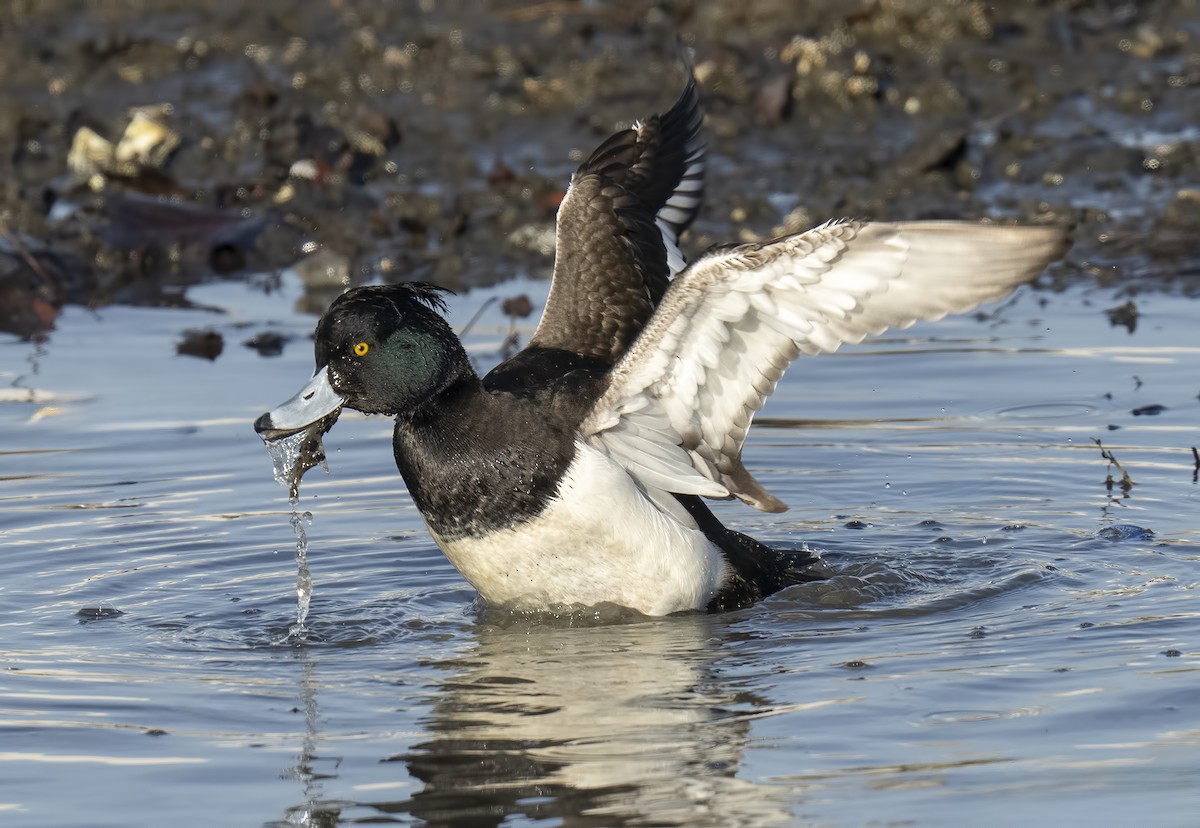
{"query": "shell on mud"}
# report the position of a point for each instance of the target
(148, 141)
(90, 154)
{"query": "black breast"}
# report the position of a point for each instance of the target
(484, 460)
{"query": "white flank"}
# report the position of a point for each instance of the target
(600, 540)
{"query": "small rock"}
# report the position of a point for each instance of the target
(267, 343)
(517, 306)
(204, 344)
(1124, 315)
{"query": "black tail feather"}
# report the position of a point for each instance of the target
(757, 570)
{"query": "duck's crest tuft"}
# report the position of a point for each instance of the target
(429, 295)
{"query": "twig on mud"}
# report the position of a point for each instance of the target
(471, 322)
(30, 262)
(1126, 480)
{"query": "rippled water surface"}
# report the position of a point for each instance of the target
(1008, 638)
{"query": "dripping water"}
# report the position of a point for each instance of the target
(291, 457)
(304, 584)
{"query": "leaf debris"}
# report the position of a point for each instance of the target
(1109, 482)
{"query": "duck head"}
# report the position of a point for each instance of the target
(380, 349)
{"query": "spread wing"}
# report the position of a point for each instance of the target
(679, 403)
(617, 240)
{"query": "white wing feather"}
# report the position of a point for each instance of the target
(681, 400)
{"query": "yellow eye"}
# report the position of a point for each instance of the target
(361, 349)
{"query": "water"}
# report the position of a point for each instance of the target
(1008, 639)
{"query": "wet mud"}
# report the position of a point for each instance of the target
(148, 145)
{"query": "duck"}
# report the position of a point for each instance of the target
(577, 472)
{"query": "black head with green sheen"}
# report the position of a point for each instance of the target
(380, 349)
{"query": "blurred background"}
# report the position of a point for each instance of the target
(146, 145)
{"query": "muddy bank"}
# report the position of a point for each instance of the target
(150, 145)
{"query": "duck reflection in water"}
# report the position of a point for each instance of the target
(602, 725)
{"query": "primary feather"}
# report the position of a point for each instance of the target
(732, 322)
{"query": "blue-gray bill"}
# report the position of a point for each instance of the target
(311, 413)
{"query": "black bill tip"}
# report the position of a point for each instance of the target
(267, 430)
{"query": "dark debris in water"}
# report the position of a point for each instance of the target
(268, 343)
(89, 614)
(36, 279)
(1125, 531)
(1148, 410)
(1109, 483)
(204, 344)
(1125, 315)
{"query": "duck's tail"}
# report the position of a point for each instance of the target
(755, 569)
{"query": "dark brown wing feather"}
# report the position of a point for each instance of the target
(618, 229)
